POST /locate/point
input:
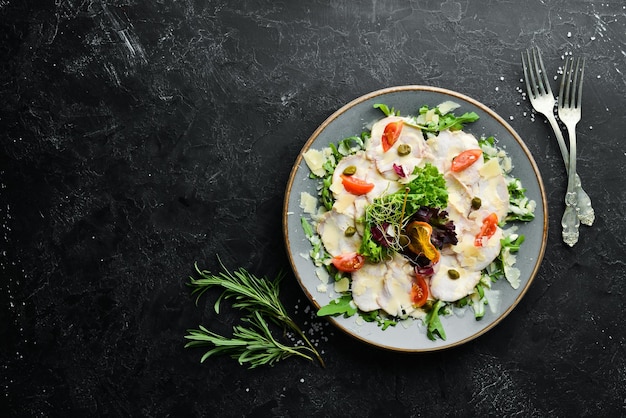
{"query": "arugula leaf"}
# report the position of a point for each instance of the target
(343, 305)
(433, 323)
(446, 121)
(318, 252)
(385, 323)
(385, 109)
(306, 226)
(455, 123)
(520, 207)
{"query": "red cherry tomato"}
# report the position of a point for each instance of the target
(348, 262)
(355, 185)
(490, 225)
(419, 291)
(391, 134)
(465, 159)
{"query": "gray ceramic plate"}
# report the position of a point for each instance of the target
(460, 327)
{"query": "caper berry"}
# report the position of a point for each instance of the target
(349, 170)
(476, 203)
(453, 274)
(350, 231)
(404, 149)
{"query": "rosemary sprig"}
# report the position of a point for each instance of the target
(252, 342)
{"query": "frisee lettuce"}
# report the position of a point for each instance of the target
(428, 189)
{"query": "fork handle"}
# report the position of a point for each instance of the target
(585, 212)
(586, 215)
(570, 221)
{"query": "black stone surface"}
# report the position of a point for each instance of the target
(140, 137)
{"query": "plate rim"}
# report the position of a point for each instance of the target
(447, 92)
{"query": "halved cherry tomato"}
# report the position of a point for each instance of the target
(391, 134)
(348, 262)
(355, 185)
(419, 240)
(419, 291)
(465, 159)
(489, 227)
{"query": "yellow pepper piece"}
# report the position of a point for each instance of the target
(419, 240)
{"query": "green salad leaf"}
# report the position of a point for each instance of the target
(434, 327)
(428, 188)
(446, 121)
(340, 306)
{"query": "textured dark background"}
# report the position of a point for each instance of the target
(140, 137)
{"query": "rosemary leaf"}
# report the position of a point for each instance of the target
(252, 342)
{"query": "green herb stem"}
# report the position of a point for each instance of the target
(259, 299)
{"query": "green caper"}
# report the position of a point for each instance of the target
(350, 231)
(404, 241)
(476, 203)
(453, 274)
(349, 170)
(404, 149)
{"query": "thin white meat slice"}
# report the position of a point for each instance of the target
(476, 258)
(447, 145)
(367, 285)
(395, 298)
(492, 190)
(443, 287)
(362, 167)
(366, 171)
(459, 203)
(385, 160)
(332, 228)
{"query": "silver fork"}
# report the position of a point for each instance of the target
(569, 108)
(543, 101)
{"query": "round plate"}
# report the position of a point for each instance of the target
(461, 326)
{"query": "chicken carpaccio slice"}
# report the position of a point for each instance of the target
(395, 298)
(447, 289)
(332, 228)
(385, 160)
(367, 285)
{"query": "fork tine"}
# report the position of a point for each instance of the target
(541, 72)
(574, 83)
(530, 87)
(534, 73)
(579, 95)
(564, 84)
(537, 71)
